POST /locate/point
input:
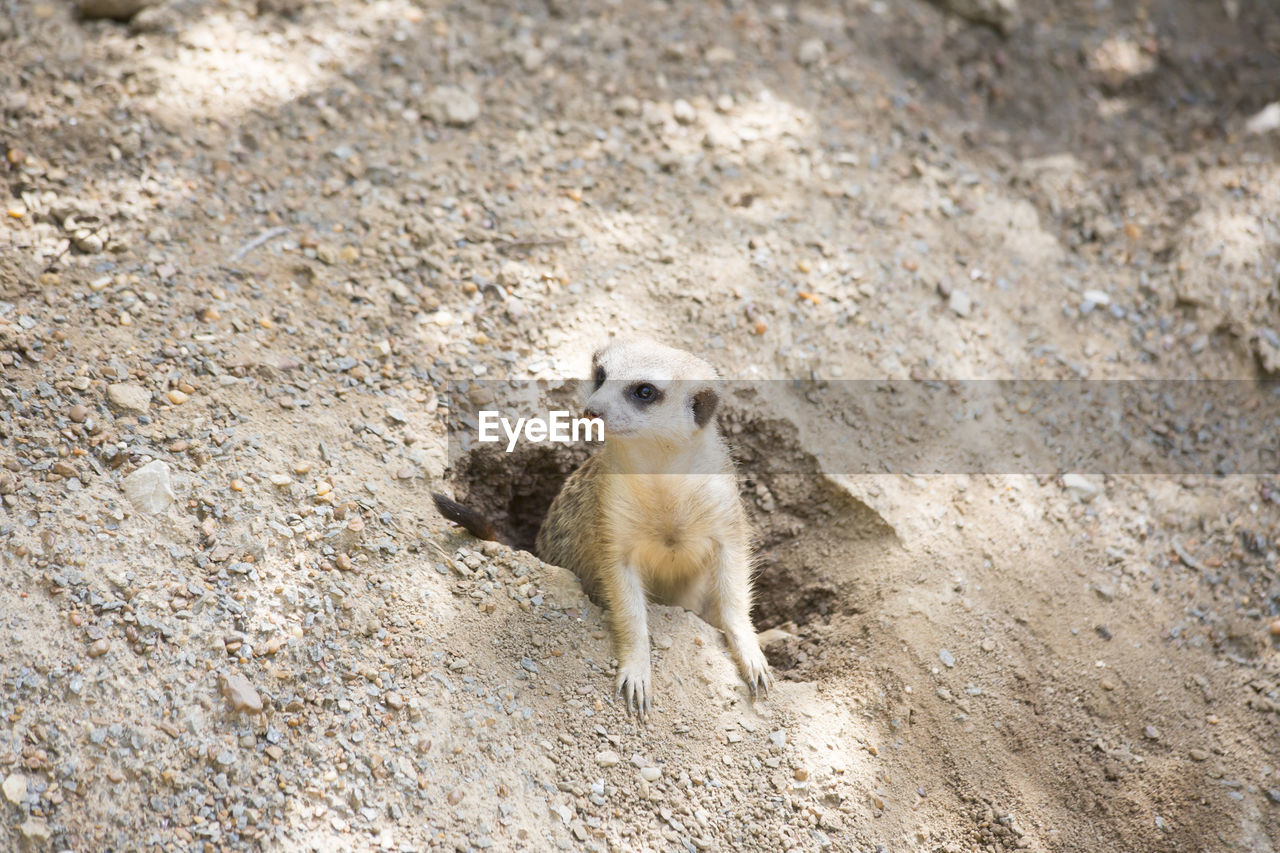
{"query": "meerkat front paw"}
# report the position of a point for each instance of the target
(633, 685)
(754, 667)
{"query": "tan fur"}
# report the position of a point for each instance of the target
(656, 515)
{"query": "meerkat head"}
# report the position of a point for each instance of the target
(647, 391)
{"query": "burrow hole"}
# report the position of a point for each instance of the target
(815, 543)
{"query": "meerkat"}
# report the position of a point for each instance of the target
(655, 514)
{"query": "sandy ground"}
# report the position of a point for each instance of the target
(257, 248)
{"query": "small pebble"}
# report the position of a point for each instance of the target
(15, 789)
(149, 488)
(607, 758)
(239, 693)
(811, 52)
(1083, 488)
(452, 106)
(960, 303)
(129, 399)
(35, 832)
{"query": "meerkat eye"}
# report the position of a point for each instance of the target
(644, 392)
(599, 376)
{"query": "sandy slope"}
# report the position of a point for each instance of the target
(294, 227)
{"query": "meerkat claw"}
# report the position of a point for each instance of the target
(635, 690)
(764, 683)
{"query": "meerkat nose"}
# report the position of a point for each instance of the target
(589, 412)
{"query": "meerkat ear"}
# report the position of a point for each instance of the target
(704, 406)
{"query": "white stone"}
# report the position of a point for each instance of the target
(451, 105)
(35, 831)
(531, 60)
(812, 51)
(960, 303)
(149, 488)
(128, 398)
(1083, 488)
(627, 106)
(15, 789)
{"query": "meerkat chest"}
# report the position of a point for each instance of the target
(671, 525)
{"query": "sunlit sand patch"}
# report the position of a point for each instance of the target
(222, 68)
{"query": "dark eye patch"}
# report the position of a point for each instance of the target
(644, 393)
(599, 376)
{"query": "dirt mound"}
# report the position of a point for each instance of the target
(250, 249)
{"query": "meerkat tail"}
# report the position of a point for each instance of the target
(475, 523)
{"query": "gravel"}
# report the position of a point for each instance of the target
(234, 307)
